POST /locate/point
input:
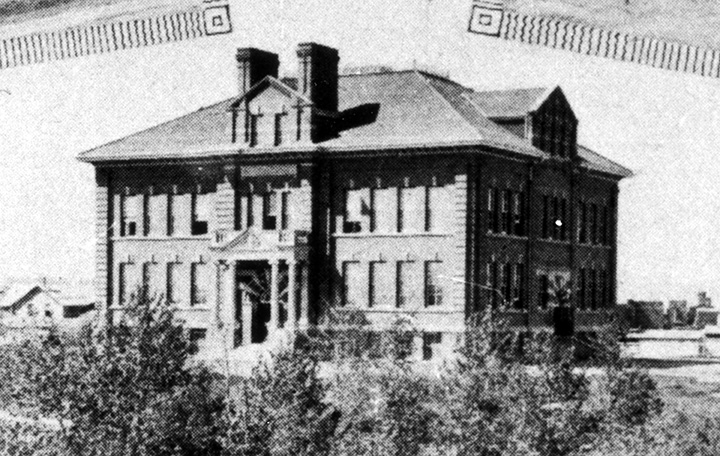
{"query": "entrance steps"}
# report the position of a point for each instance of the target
(241, 360)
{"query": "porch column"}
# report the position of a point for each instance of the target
(225, 302)
(303, 318)
(274, 307)
(291, 295)
(246, 319)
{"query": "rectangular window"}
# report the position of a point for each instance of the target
(124, 284)
(270, 211)
(505, 212)
(544, 291)
(507, 284)
(519, 214)
(285, 210)
(556, 222)
(491, 210)
(440, 210)
(602, 285)
(546, 217)
(201, 211)
(131, 213)
(246, 211)
(406, 293)
(518, 294)
(593, 223)
(433, 283)
(180, 219)
(384, 211)
(352, 286)
(592, 285)
(357, 210)
(605, 225)
(607, 302)
(582, 289)
(279, 128)
(254, 125)
(381, 284)
(199, 284)
(429, 340)
(174, 284)
(157, 211)
(563, 219)
(492, 283)
(582, 223)
(412, 209)
(149, 275)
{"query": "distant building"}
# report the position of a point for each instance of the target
(704, 301)
(677, 313)
(28, 305)
(646, 314)
(705, 317)
(24, 305)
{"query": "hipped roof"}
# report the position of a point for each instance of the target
(416, 110)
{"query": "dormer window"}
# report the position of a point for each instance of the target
(279, 128)
(253, 126)
(554, 134)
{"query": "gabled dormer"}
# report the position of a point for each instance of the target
(551, 125)
(542, 116)
(281, 113)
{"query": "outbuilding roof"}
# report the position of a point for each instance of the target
(415, 110)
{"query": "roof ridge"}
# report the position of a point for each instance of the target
(447, 102)
(373, 73)
(515, 88)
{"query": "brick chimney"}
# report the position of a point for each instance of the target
(318, 74)
(253, 65)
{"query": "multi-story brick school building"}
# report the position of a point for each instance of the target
(380, 191)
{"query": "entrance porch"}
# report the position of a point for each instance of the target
(262, 287)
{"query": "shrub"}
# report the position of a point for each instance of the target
(281, 410)
(634, 396)
(126, 390)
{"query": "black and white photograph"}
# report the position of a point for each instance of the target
(334, 228)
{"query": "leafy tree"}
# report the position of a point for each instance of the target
(281, 410)
(128, 389)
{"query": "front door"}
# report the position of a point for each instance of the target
(253, 299)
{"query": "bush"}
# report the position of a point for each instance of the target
(127, 390)
(634, 396)
(281, 410)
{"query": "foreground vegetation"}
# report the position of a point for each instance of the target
(134, 390)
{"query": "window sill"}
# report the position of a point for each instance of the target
(586, 244)
(201, 237)
(507, 236)
(394, 310)
(389, 235)
(554, 241)
(199, 308)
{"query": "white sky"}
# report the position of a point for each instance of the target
(663, 125)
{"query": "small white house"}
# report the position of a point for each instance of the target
(27, 305)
